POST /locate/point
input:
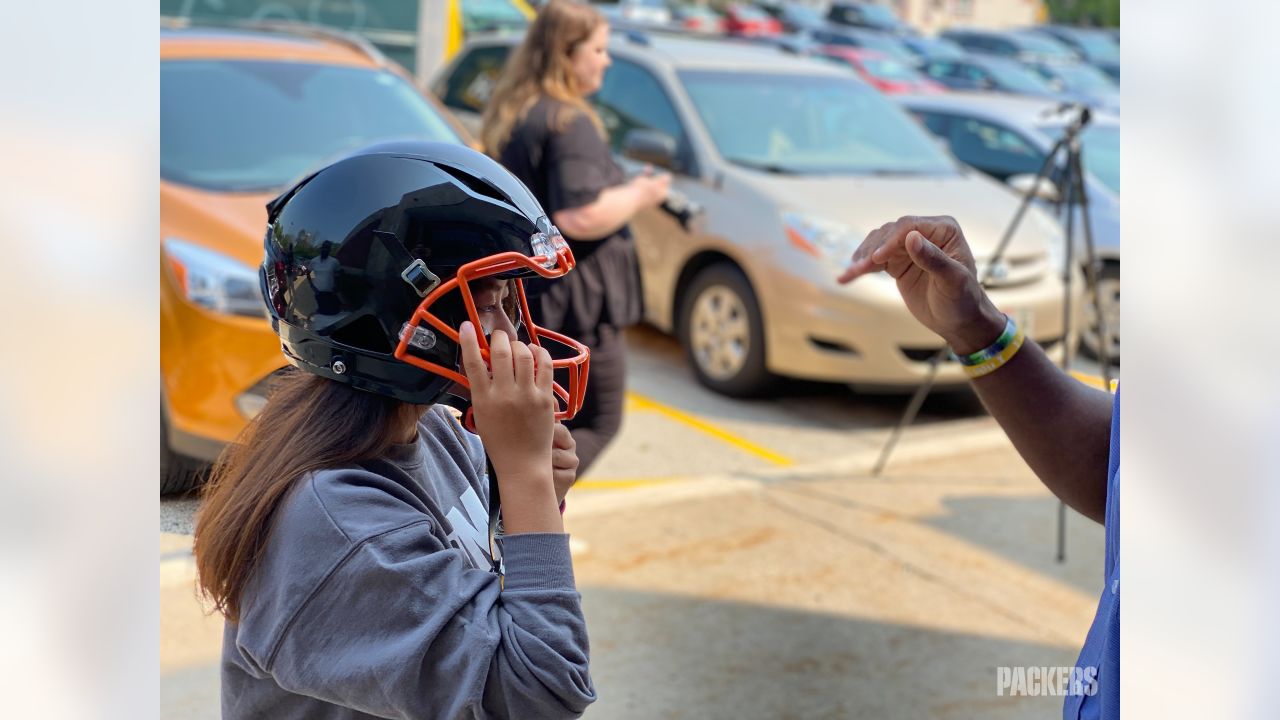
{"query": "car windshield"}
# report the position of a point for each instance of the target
(936, 48)
(1101, 158)
(254, 126)
(1018, 79)
(803, 15)
(749, 12)
(885, 44)
(798, 124)
(1099, 47)
(890, 69)
(1041, 45)
(1085, 78)
(879, 14)
(489, 15)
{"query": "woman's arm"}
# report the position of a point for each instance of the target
(613, 208)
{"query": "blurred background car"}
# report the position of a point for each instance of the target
(1098, 47)
(243, 113)
(697, 19)
(1021, 45)
(482, 16)
(795, 17)
(864, 39)
(995, 74)
(1009, 138)
(639, 12)
(927, 49)
(884, 73)
(869, 15)
(794, 162)
(1082, 82)
(746, 20)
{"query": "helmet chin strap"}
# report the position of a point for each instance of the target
(413, 270)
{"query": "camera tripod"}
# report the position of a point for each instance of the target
(1071, 197)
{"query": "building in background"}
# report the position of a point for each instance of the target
(932, 16)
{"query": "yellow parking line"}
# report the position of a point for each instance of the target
(1094, 380)
(623, 483)
(640, 402)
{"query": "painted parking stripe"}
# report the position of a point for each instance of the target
(1094, 380)
(640, 402)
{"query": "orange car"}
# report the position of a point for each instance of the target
(243, 112)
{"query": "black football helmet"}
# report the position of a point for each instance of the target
(370, 265)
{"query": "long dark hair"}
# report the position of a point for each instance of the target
(308, 423)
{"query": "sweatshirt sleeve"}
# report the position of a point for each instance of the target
(404, 627)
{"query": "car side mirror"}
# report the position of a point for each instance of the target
(650, 146)
(1026, 184)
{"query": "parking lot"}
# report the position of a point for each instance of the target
(737, 560)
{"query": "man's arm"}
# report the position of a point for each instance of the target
(1061, 427)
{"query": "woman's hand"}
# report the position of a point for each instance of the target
(651, 188)
(514, 414)
(937, 279)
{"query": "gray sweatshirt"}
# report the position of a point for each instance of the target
(375, 598)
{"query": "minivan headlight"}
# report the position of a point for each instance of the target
(820, 238)
(213, 280)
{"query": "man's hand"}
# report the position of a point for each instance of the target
(564, 460)
(936, 275)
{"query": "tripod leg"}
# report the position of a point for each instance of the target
(1091, 269)
(908, 417)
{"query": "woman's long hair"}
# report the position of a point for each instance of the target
(540, 67)
(309, 423)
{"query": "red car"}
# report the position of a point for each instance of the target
(749, 21)
(888, 75)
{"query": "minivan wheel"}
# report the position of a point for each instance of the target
(1109, 294)
(722, 332)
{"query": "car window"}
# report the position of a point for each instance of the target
(471, 83)
(941, 69)
(810, 124)
(936, 123)
(1017, 78)
(632, 98)
(991, 148)
(240, 126)
(973, 74)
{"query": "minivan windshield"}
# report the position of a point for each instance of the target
(810, 124)
(232, 125)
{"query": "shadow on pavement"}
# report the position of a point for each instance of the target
(668, 656)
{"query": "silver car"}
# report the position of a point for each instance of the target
(794, 161)
(1008, 138)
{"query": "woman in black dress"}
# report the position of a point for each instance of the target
(540, 126)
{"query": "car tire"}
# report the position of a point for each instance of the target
(722, 332)
(1109, 294)
(178, 474)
